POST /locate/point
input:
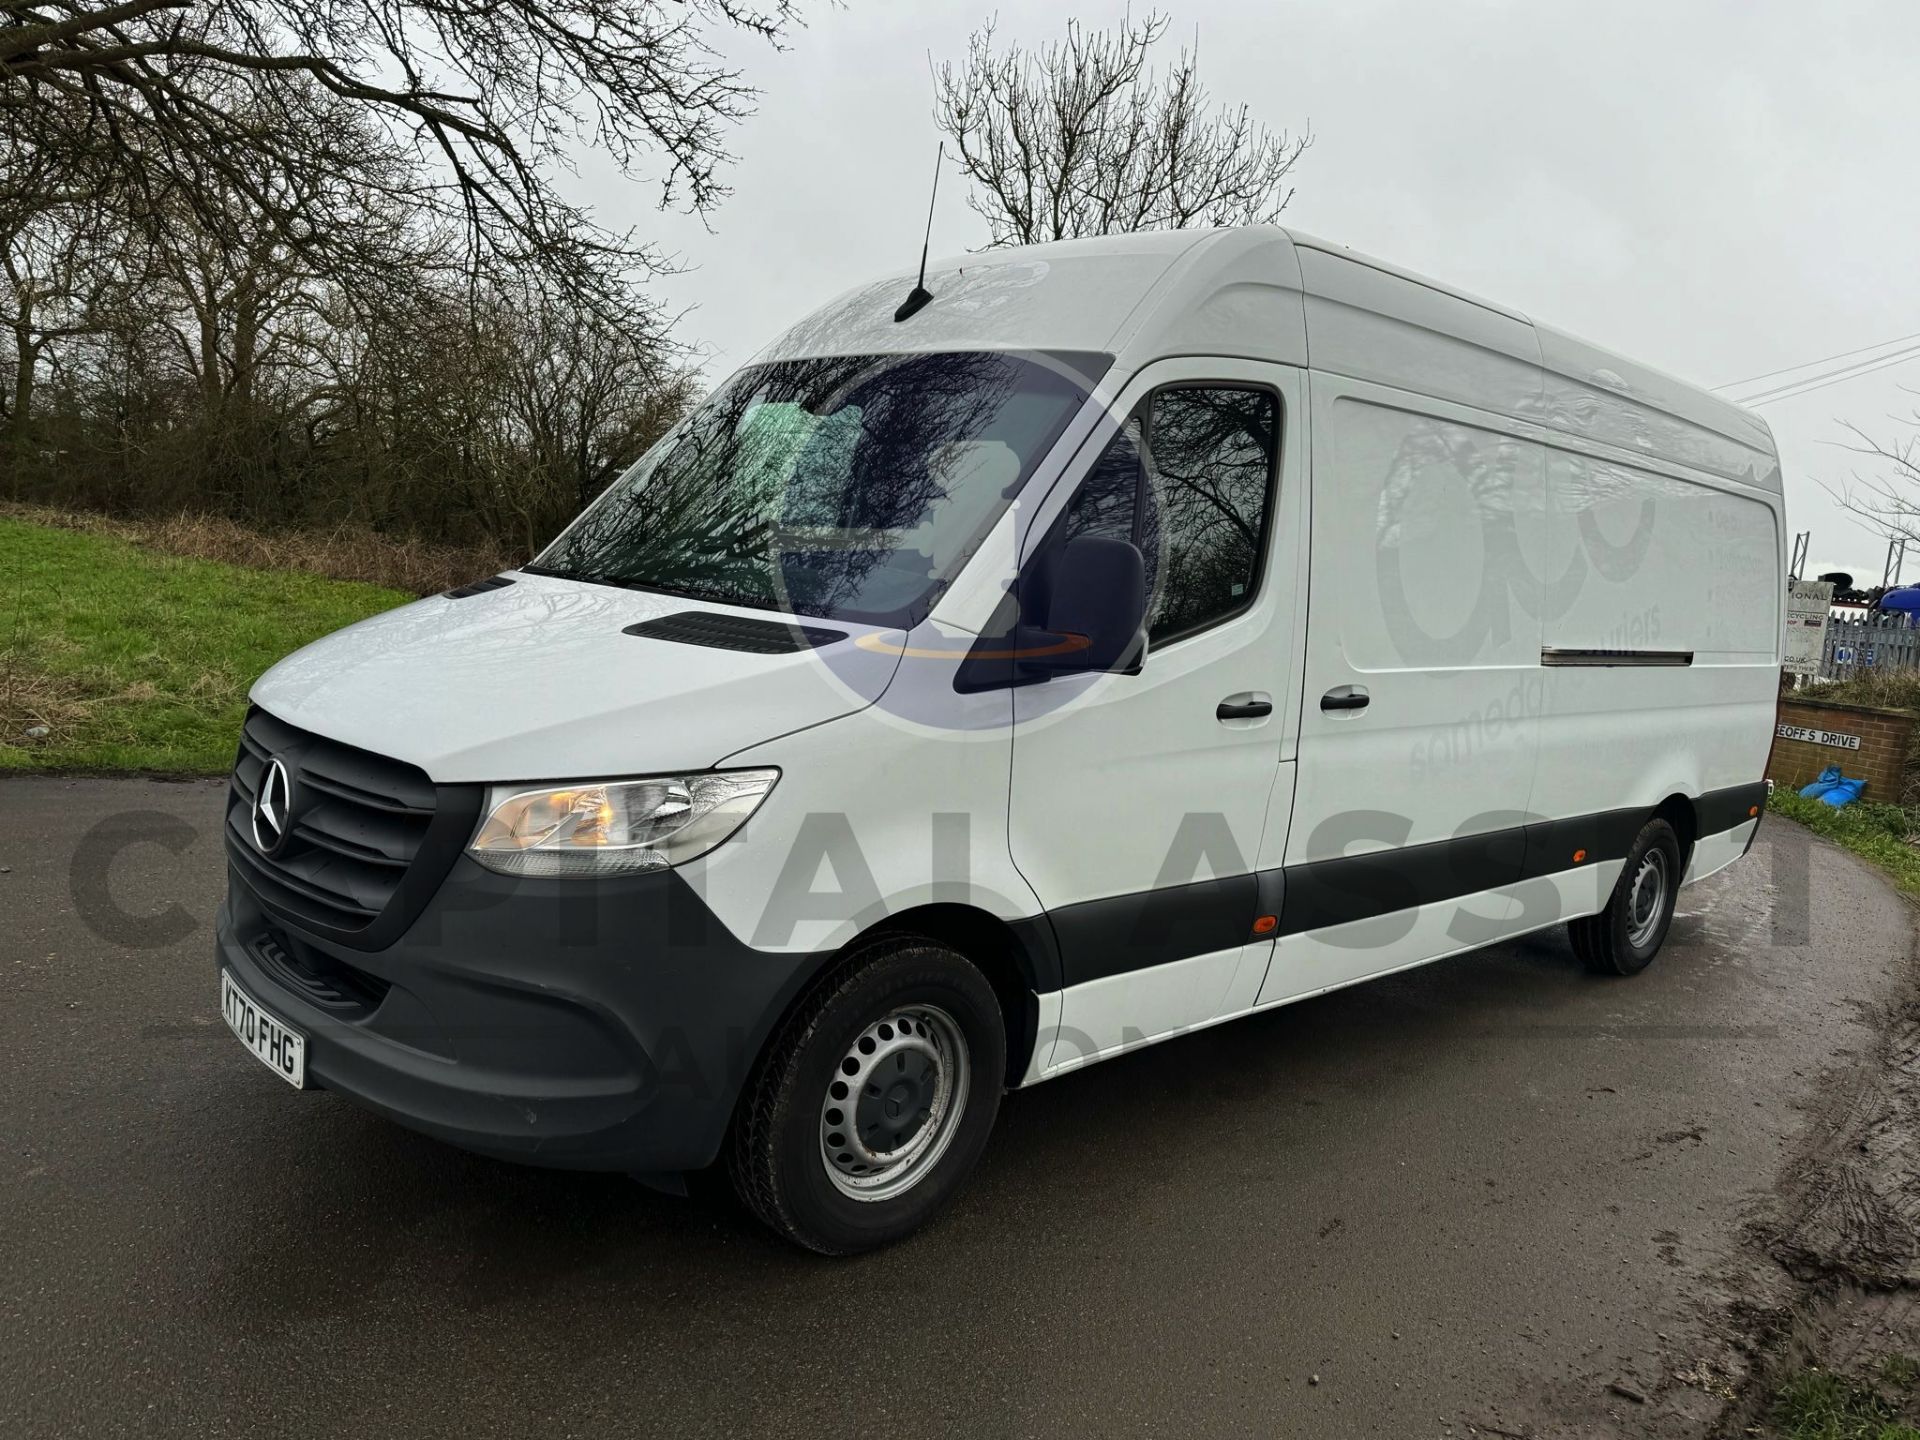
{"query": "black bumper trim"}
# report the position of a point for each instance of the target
(1123, 933)
(607, 1026)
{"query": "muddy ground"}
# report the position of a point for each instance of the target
(1832, 1257)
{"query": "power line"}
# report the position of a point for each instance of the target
(1823, 360)
(1809, 384)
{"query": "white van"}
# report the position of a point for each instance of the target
(1144, 632)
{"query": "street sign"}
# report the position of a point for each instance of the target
(1838, 739)
(1807, 602)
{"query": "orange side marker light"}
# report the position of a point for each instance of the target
(1266, 924)
(1752, 810)
(1578, 856)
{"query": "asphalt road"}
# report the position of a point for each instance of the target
(1474, 1195)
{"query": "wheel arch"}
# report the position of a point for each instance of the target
(1016, 957)
(1679, 812)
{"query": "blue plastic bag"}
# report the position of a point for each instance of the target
(1842, 792)
(1829, 777)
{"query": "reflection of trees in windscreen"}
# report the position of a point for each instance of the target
(795, 483)
(1106, 504)
(862, 488)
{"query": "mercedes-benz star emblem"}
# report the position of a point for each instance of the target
(270, 806)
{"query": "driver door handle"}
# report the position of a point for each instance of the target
(1345, 697)
(1234, 708)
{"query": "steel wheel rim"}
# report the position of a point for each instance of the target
(1646, 899)
(894, 1103)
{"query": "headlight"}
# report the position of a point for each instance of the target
(615, 826)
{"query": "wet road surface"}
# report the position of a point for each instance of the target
(1476, 1194)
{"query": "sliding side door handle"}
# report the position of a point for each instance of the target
(1345, 697)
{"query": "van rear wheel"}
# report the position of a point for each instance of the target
(874, 1100)
(1624, 937)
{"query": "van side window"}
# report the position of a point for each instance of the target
(1211, 452)
(1189, 480)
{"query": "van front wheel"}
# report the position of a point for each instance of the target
(1623, 938)
(874, 1100)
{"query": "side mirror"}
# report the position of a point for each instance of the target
(1098, 610)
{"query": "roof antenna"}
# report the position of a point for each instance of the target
(920, 297)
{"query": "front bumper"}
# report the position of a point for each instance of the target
(593, 1025)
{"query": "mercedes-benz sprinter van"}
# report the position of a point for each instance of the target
(1142, 633)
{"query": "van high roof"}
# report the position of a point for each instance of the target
(1266, 293)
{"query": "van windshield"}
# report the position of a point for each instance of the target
(848, 487)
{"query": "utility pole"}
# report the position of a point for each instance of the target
(1797, 566)
(1896, 557)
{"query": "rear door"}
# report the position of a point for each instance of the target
(1139, 802)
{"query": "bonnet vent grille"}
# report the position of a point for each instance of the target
(735, 632)
(479, 587)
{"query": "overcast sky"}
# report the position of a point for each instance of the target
(1715, 187)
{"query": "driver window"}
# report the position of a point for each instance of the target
(1189, 480)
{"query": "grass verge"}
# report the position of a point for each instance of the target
(341, 552)
(132, 660)
(1894, 689)
(1880, 834)
(1821, 1405)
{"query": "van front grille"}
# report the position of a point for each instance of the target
(355, 825)
(321, 979)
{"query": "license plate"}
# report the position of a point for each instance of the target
(274, 1043)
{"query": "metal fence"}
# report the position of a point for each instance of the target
(1874, 642)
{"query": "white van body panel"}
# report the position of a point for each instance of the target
(1427, 545)
(1139, 297)
(536, 681)
(1677, 547)
(1070, 295)
(925, 823)
(1610, 400)
(1713, 853)
(1314, 962)
(1107, 1017)
(1371, 324)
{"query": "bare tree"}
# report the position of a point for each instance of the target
(1889, 498)
(469, 108)
(62, 275)
(157, 370)
(1080, 137)
(298, 315)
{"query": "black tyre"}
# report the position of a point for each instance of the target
(1623, 938)
(874, 1100)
